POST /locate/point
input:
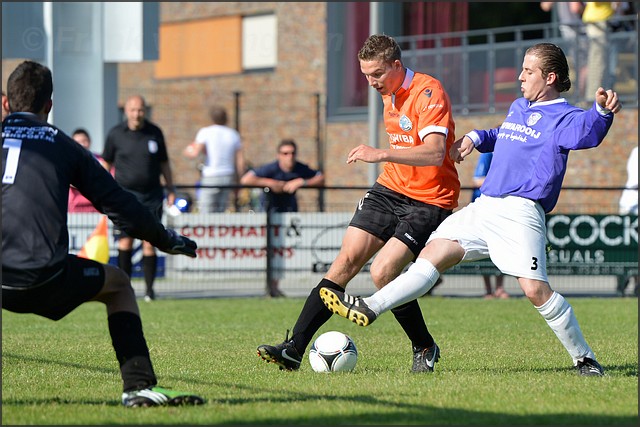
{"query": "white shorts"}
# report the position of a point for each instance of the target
(510, 230)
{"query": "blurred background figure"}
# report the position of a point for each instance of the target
(283, 177)
(595, 18)
(569, 16)
(137, 151)
(5, 105)
(480, 173)
(629, 198)
(224, 160)
(629, 206)
(77, 202)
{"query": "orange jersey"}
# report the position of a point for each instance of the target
(420, 107)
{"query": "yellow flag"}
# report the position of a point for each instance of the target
(97, 245)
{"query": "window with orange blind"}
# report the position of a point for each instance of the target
(200, 48)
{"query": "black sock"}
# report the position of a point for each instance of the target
(149, 267)
(124, 261)
(410, 318)
(131, 351)
(314, 314)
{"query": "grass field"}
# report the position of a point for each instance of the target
(500, 365)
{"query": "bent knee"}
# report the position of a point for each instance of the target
(384, 272)
(115, 280)
(380, 276)
(344, 268)
(538, 292)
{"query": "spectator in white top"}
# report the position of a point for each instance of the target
(224, 160)
(629, 197)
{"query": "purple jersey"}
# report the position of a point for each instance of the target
(531, 147)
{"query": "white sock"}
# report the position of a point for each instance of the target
(560, 317)
(417, 281)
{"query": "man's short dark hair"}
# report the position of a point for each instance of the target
(81, 131)
(380, 47)
(289, 143)
(29, 87)
(218, 114)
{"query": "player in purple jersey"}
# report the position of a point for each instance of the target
(507, 222)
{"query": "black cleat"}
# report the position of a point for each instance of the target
(424, 359)
(284, 355)
(347, 306)
(589, 368)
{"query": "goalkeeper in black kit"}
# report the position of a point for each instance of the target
(39, 275)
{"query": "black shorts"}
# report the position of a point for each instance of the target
(385, 213)
(77, 281)
(152, 201)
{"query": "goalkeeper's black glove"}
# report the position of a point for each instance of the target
(179, 245)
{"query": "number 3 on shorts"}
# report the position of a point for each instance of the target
(534, 263)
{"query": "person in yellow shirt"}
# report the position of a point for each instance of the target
(595, 17)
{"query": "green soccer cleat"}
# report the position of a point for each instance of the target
(159, 396)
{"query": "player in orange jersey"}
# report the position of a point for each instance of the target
(417, 189)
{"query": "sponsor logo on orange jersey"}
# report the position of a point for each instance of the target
(405, 123)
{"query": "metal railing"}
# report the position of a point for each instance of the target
(591, 253)
(479, 68)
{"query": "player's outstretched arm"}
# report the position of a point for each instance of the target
(461, 149)
(608, 100)
(177, 244)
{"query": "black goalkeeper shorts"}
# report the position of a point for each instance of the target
(77, 281)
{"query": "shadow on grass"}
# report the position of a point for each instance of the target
(375, 410)
(622, 370)
(60, 401)
(380, 411)
(625, 370)
(26, 358)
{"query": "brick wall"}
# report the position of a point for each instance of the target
(276, 104)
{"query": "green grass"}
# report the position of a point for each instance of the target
(500, 365)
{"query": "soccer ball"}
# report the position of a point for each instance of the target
(333, 352)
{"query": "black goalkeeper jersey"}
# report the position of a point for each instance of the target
(39, 164)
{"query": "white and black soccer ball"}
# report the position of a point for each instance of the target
(333, 352)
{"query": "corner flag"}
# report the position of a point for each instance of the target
(97, 245)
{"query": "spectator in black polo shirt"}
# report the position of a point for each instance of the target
(137, 151)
